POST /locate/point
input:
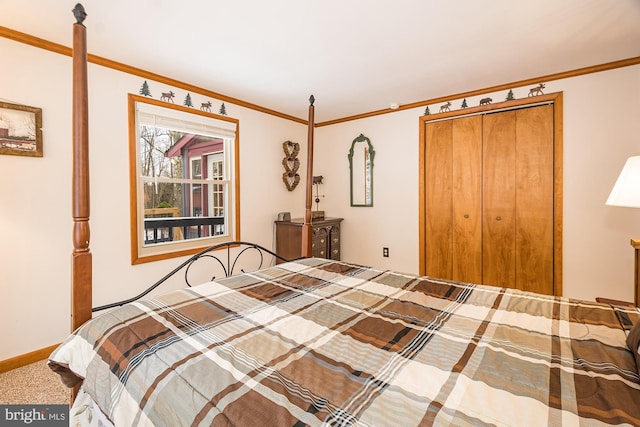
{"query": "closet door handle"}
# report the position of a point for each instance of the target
(466, 215)
(498, 218)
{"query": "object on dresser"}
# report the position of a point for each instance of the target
(325, 243)
(284, 216)
(317, 214)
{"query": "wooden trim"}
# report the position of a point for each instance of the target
(64, 50)
(27, 358)
(236, 148)
(558, 184)
(490, 108)
(118, 66)
(506, 86)
(422, 212)
(34, 41)
(133, 188)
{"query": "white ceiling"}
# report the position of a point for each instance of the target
(354, 56)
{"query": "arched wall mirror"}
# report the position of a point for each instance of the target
(361, 166)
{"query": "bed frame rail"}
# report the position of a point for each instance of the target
(225, 257)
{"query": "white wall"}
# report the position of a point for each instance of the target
(601, 129)
(35, 194)
(35, 207)
(393, 220)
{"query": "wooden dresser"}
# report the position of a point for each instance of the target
(326, 238)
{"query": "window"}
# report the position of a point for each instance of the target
(184, 174)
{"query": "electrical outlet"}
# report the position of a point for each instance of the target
(385, 252)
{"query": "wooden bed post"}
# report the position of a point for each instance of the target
(306, 227)
(81, 275)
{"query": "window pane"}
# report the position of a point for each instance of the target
(154, 144)
(181, 209)
(196, 168)
(175, 219)
(185, 179)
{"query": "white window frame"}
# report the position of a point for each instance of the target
(193, 175)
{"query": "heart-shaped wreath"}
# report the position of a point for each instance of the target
(291, 164)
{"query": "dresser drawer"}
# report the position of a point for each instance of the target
(325, 239)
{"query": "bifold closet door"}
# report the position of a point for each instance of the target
(467, 199)
(438, 200)
(489, 204)
(534, 199)
(453, 199)
(499, 199)
(518, 199)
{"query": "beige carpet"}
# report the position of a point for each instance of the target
(33, 384)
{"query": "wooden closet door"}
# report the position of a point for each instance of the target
(499, 194)
(506, 165)
(438, 200)
(467, 199)
(534, 199)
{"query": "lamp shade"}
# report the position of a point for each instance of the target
(626, 191)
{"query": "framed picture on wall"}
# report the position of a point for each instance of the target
(20, 130)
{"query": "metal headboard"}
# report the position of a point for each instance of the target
(221, 254)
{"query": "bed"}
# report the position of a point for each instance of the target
(321, 342)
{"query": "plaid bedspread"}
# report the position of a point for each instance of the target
(319, 342)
